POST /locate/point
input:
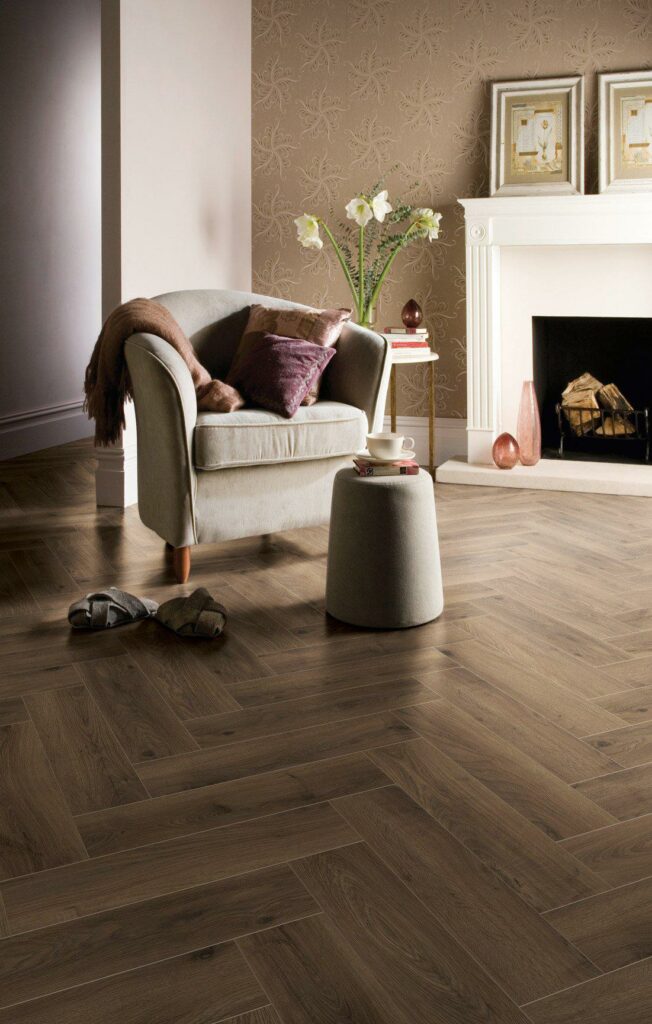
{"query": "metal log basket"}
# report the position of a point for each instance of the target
(594, 424)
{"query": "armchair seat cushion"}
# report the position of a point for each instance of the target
(251, 437)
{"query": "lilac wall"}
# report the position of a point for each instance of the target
(50, 274)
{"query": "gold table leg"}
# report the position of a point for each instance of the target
(431, 421)
(392, 399)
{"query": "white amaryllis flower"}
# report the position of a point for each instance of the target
(380, 206)
(426, 222)
(308, 231)
(359, 210)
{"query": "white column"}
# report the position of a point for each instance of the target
(482, 340)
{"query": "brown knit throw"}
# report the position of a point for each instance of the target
(107, 384)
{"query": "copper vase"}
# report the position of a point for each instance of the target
(528, 428)
(505, 451)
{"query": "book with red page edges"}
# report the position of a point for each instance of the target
(398, 467)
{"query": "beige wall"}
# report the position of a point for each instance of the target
(346, 90)
(50, 217)
(184, 109)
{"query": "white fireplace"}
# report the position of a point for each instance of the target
(545, 256)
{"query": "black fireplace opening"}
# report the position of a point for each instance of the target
(615, 350)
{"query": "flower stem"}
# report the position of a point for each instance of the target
(342, 261)
(361, 274)
(385, 271)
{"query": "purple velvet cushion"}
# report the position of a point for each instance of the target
(277, 373)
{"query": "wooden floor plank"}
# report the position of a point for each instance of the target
(557, 750)
(205, 986)
(519, 780)
(518, 948)
(415, 961)
(189, 687)
(253, 757)
(625, 794)
(614, 928)
(13, 710)
(264, 1015)
(195, 810)
(46, 961)
(631, 705)
(565, 636)
(535, 688)
(313, 977)
(322, 709)
(339, 676)
(629, 746)
(90, 765)
(36, 826)
(142, 721)
(623, 997)
(521, 854)
(619, 853)
(35, 901)
(532, 688)
(521, 648)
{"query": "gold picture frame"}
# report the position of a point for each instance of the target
(625, 112)
(537, 137)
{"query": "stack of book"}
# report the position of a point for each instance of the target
(408, 341)
(394, 467)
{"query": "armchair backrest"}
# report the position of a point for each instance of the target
(214, 321)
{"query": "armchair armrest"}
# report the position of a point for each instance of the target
(166, 414)
(359, 374)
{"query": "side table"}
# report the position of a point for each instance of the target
(399, 360)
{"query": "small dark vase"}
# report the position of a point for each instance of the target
(411, 314)
(505, 451)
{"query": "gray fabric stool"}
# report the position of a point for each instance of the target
(383, 551)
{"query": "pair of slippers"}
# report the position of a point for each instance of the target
(197, 615)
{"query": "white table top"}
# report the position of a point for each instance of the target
(427, 357)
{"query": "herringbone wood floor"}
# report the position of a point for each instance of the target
(305, 823)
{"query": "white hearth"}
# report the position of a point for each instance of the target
(556, 256)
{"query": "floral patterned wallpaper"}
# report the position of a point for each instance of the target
(349, 91)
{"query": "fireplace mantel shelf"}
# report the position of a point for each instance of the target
(612, 219)
(566, 266)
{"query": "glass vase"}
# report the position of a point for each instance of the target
(528, 428)
(370, 319)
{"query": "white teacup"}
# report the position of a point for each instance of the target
(388, 445)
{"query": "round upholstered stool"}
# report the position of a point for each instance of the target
(383, 551)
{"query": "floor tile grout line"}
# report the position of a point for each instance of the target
(306, 697)
(427, 698)
(505, 693)
(287, 732)
(590, 981)
(608, 775)
(8, 882)
(432, 913)
(163, 895)
(597, 895)
(603, 828)
(153, 963)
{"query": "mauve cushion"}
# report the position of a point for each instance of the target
(277, 373)
(319, 326)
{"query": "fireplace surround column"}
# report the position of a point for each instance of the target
(482, 339)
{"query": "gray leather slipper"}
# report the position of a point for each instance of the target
(197, 615)
(105, 609)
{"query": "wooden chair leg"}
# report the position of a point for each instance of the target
(181, 563)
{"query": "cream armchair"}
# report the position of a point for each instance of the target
(207, 477)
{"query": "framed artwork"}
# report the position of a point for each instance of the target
(625, 106)
(537, 137)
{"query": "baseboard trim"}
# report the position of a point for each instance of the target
(450, 436)
(36, 429)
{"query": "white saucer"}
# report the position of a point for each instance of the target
(403, 456)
